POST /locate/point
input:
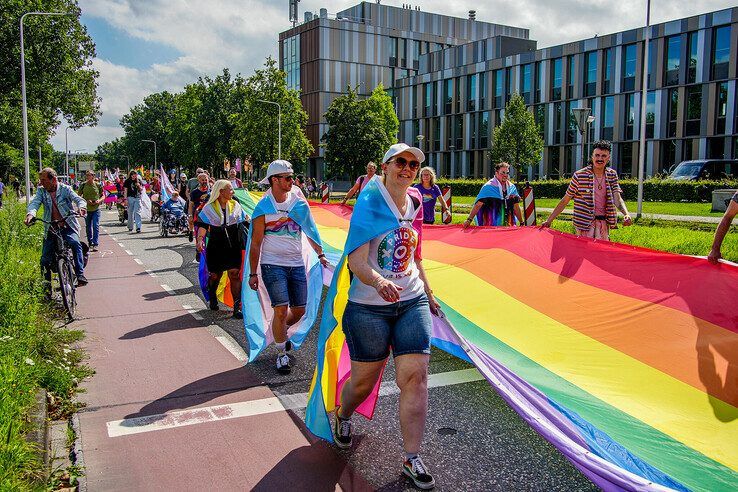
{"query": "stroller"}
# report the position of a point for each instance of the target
(171, 225)
(155, 208)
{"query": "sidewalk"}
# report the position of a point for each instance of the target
(171, 408)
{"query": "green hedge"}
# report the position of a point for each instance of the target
(654, 190)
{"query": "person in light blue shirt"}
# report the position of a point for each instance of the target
(59, 201)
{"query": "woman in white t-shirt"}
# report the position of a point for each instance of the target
(389, 306)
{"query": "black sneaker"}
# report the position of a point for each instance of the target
(138, 231)
(284, 365)
(189, 236)
(214, 303)
(342, 432)
(288, 345)
(237, 314)
(81, 280)
(417, 471)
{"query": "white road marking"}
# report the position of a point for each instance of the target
(167, 288)
(186, 306)
(138, 261)
(121, 245)
(149, 423)
(150, 273)
(197, 316)
(298, 401)
(233, 348)
(129, 252)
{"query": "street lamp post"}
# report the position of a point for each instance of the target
(644, 94)
(583, 118)
(66, 151)
(279, 125)
(23, 97)
(151, 141)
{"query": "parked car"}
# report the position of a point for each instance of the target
(705, 169)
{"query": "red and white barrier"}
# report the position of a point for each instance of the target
(325, 193)
(446, 216)
(529, 205)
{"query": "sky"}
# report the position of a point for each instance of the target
(147, 46)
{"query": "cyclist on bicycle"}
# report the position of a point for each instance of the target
(58, 200)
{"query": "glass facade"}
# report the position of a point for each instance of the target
(629, 67)
(672, 53)
(291, 61)
(556, 80)
(720, 52)
(590, 74)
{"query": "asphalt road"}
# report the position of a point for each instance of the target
(474, 441)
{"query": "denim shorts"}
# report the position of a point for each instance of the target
(404, 326)
(285, 284)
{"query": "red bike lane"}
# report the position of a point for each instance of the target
(170, 408)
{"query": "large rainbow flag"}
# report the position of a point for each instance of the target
(626, 359)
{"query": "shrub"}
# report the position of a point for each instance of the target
(654, 190)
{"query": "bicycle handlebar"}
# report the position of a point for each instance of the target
(52, 222)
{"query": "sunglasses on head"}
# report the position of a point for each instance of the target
(402, 163)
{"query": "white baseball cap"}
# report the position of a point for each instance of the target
(279, 166)
(399, 148)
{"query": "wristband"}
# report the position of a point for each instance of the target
(321, 255)
(253, 275)
(468, 220)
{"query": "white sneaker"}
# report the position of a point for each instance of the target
(284, 366)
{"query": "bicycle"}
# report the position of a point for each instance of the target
(63, 266)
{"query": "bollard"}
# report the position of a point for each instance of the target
(325, 193)
(529, 205)
(446, 192)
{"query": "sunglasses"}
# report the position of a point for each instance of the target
(288, 178)
(402, 163)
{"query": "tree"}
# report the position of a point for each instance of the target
(148, 121)
(359, 131)
(59, 75)
(255, 133)
(517, 140)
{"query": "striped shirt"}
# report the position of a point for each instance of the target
(581, 189)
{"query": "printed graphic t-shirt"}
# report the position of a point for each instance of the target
(282, 244)
(430, 196)
(392, 255)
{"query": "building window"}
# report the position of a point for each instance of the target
(569, 159)
(553, 162)
(449, 132)
(416, 130)
(608, 117)
(673, 111)
(473, 130)
(539, 83)
(498, 88)
(483, 90)
(650, 113)
(570, 77)
(525, 86)
(722, 108)
(668, 154)
(291, 61)
(716, 150)
(458, 95)
(416, 55)
(557, 122)
(556, 80)
(626, 159)
(436, 86)
(471, 92)
(607, 70)
(428, 99)
(651, 62)
(459, 131)
(484, 130)
(508, 84)
(629, 115)
(448, 96)
(673, 55)
(692, 66)
(402, 51)
(629, 67)
(694, 110)
(571, 124)
(539, 113)
(393, 52)
(590, 75)
(720, 52)
(436, 134)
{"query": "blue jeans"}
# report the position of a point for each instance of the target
(371, 330)
(72, 239)
(134, 213)
(92, 227)
(285, 285)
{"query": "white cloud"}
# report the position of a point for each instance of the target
(240, 34)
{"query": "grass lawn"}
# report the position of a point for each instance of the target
(35, 352)
(666, 208)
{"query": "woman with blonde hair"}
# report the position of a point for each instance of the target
(221, 222)
(430, 192)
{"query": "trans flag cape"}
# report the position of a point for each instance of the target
(167, 188)
(257, 308)
(624, 358)
(501, 213)
(371, 218)
(247, 200)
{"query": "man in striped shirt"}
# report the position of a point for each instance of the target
(596, 193)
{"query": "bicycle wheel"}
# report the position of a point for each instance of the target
(66, 286)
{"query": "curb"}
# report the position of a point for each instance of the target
(39, 434)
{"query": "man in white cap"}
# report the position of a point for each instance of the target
(280, 221)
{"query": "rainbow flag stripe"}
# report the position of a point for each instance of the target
(629, 356)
